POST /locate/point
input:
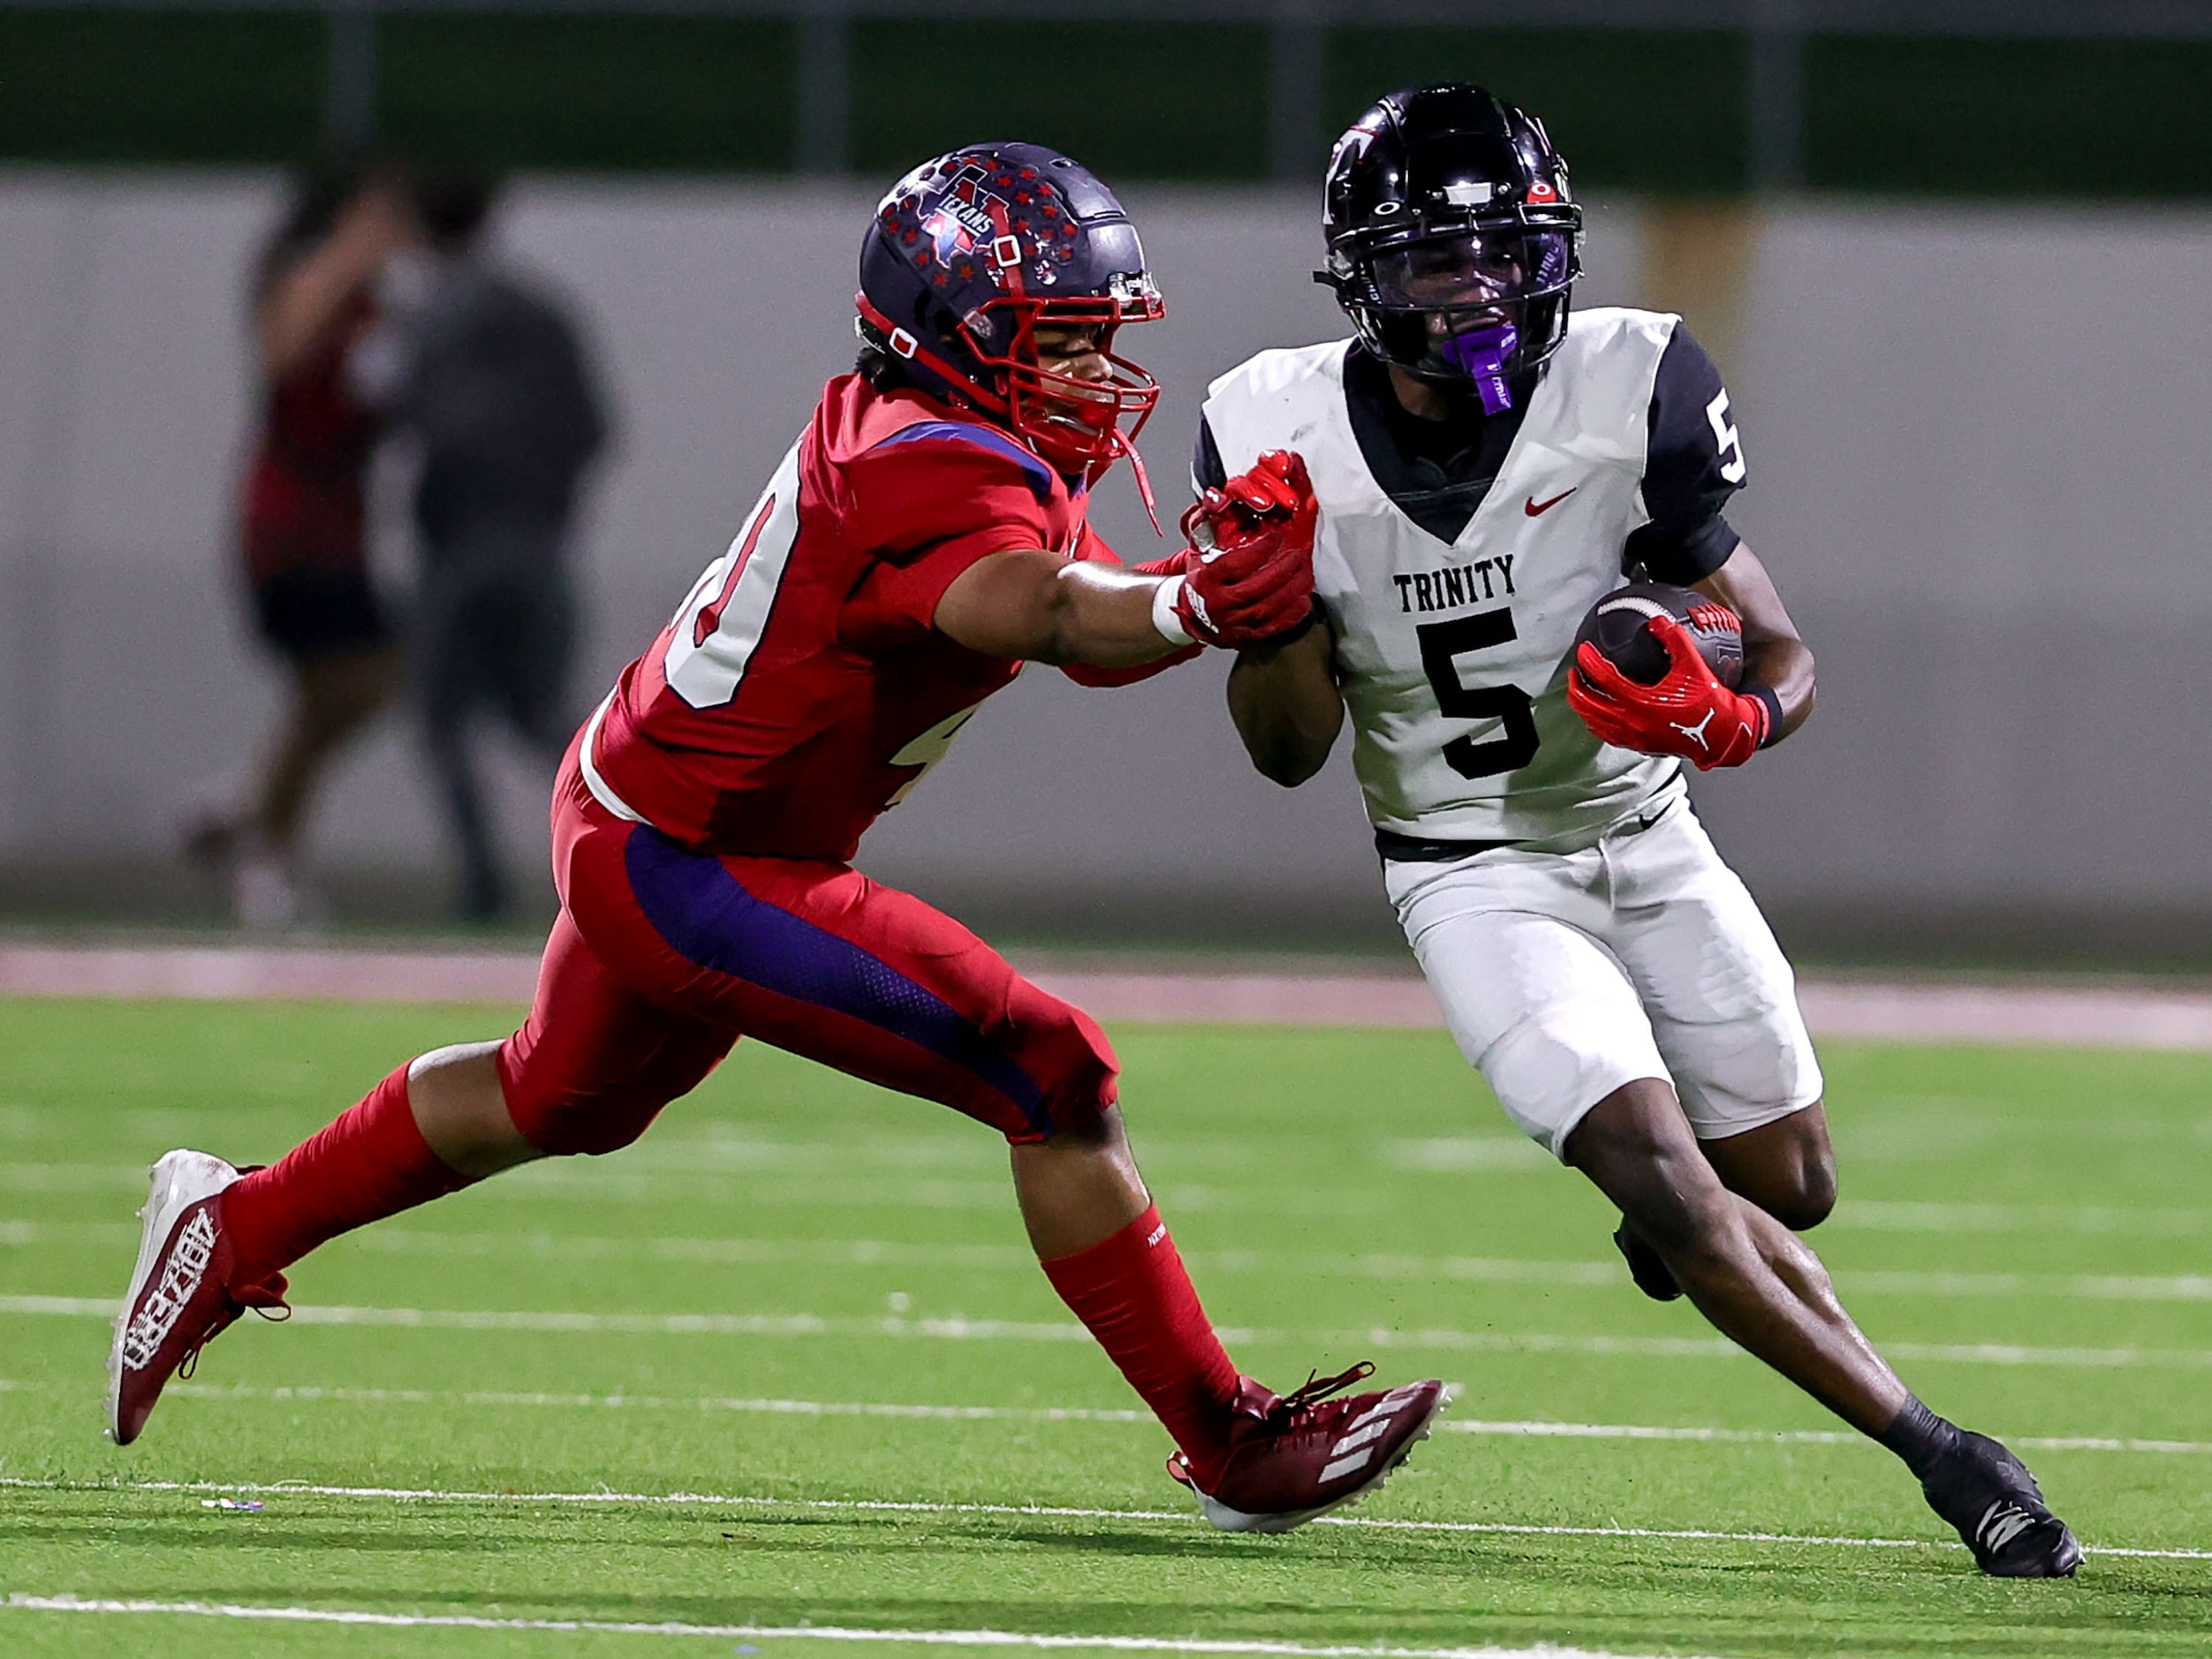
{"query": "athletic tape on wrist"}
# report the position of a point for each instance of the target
(1767, 695)
(1165, 598)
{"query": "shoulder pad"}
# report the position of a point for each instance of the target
(1035, 472)
(1272, 370)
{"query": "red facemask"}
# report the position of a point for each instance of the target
(1074, 423)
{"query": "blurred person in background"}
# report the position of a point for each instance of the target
(491, 382)
(304, 534)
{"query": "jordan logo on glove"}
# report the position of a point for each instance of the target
(1696, 730)
(1674, 716)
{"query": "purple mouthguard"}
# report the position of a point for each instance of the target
(1482, 353)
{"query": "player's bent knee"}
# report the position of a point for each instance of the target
(1078, 1110)
(1683, 1210)
(1813, 1202)
(1635, 1146)
(584, 1125)
(1683, 1222)
(1807, 1197)
(563, 1117)
(1079, 1081)
(1786, 1167)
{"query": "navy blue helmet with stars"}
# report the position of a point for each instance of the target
(971, 252)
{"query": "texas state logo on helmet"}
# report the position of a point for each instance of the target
(1453, 243)
(971, 252)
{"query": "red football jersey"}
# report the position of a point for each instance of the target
(801, 689)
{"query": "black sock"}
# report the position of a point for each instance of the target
(1921, 1437)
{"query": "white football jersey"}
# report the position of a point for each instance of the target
(1453, 655)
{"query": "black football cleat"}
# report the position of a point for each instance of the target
(1646, 1265)
(1987, 1494)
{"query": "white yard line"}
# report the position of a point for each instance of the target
(2093, 1220)
(710, 1404)
(1019, 1262)
(22, 1601)
(1357, 1265)
(1053, 1511)
(1431, 1340)
(344, 1395)
(1797, 1436)
(2107, 1016)
(1016, 1261)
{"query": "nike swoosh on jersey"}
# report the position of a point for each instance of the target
(1537, 509)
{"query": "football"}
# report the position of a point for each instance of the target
(1619, 626)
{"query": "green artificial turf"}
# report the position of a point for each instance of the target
(2026, 1230)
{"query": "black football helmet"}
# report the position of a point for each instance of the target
(1453, 244)
(969, 253)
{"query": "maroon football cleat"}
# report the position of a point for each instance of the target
(1294, 1455)
(182, 1295)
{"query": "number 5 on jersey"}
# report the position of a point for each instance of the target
(1729, 443)
(1515, 746)
(719, 624)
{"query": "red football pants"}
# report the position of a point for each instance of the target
(661, 959)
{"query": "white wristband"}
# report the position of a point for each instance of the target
(1165, 598)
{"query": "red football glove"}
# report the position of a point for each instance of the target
(1248, 575)
(1688, 713)
(1277, 491)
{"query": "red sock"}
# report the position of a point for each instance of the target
(1132, 1292)
(368, 1162)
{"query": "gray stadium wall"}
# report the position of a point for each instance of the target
(1977, 469)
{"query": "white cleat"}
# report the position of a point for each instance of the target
(180, 1298)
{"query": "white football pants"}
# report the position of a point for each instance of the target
(1565, 975)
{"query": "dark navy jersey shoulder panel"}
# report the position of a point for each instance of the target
(1206, 472)
(1038, 474)
(1694, 463)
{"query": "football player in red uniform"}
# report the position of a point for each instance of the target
(923, 537)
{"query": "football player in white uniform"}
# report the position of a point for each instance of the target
(1487, 468)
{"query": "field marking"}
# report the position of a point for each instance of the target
(37, 1175)
(24, 1602)
(1798, 1436)
(1431, 1340)
(343, 1394)
(2096, 1287)
(1336, 993)
(2092, 1220)
(353, 1395)
(1047, 1511)
(1605, 1274)
(1596, 1274)
(1468, 1155)
(624, 1183)
(651, 1179)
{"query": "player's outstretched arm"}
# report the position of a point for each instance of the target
(1774, 654)
(1041, 607)
(1253, 584)
(1286, 706)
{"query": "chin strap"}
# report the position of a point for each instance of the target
(1123, 447)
